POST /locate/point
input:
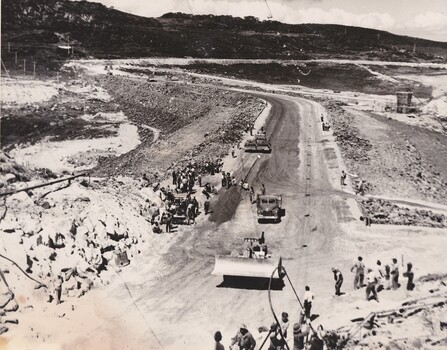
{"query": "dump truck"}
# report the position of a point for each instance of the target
(254, 262)
(259, 143)
(269, 207)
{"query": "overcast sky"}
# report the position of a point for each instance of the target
(420, 18)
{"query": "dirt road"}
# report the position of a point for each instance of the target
(182, 303)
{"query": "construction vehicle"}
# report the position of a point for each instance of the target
(269, 207)
(179, 216)
(259, 143)
(254, 262)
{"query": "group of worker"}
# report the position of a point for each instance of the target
(227, 180)
(280, 337)
(380, 277)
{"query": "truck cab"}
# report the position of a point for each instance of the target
(269, 207)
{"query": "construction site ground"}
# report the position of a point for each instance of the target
(167, 298)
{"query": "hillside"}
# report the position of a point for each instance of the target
(36, 29)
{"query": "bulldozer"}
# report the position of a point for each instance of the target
(254, 263)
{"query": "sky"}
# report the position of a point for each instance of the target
(425, 19)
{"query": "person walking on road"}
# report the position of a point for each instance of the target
(343, 178)
(307, 300)
(251, 193)
(359, 268)
(338, 277)
(263, 190)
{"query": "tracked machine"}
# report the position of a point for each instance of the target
(255, 262)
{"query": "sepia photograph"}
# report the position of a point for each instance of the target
(223, 175)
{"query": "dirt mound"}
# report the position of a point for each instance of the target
(384, 212)
(195, 122)
(398, 160)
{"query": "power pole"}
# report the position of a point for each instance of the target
(16, 56)
(34, 68)
(24, 65)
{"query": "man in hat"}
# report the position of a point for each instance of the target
(244, 339)
(298, 337)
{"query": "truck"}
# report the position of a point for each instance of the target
(259, 143)
(269, 207)
(179, 215)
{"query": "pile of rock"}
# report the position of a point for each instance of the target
(68, 239)
(353, 146)
(384, 212)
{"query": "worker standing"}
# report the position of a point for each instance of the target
(395, 274)
(359, 268)
(243, 339)
(410, 275)
(251, 193)
(174, 177)
(206, 206)
(308, 299)
(380, 274)
(224, 179)
(343, 178)
(168, 222)
(263, 190)
(284, 324)
(298, 337)
(338, 277)
(371, 281)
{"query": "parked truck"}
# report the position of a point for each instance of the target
(269, 207)
(259, 143)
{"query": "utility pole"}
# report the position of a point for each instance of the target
(16, 56)
(34, 68)
(24, 65)
(414, 48)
